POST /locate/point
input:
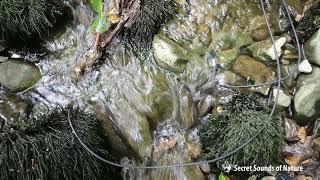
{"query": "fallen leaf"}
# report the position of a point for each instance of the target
(302, 134)
(293, 160)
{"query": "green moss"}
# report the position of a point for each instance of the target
(153, 14)
(20, 19)
(241, 119)
(44, 148)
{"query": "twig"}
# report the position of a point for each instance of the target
(113, 33)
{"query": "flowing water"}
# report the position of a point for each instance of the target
(148, 113)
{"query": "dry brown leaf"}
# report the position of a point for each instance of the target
(293, 160)
(302, 134)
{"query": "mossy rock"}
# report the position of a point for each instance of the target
(240, 120)
(24, 23)
(152, 15)
(45, 148)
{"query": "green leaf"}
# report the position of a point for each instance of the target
(96, 6)
(100, 24)
(222, 177)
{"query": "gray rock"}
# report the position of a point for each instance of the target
(283, 99)
(289, 70)
(291, 130)
(18, 75)
(205, 105)
(307, 97)
(312, 48)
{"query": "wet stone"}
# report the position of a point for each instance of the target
(18, 75)
(168, 54)
(244, 67)
(187, 108)
(260, 34)
(307, 97)
(312, 48)
(205, 105)
(291, 130)
(264, 50)
(12, 108)
(284, 100)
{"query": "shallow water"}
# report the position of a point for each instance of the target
(142, 107)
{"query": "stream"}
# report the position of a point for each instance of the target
(149, 107)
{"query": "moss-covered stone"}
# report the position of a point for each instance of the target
(152, 15)
(45, 148)
(241, 119)
(22, 19)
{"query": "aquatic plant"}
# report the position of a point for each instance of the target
(152, 15)
(240, 120)
(26, 18)
(44, 148)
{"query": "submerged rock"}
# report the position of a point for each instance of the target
(205, 105)
(188, 114)
(260, 34)
(312, 48)
(169, 54)
(18, 75)
(252, 69)
(307, 97)
(226, 58)
(12, 108)
(173, 146)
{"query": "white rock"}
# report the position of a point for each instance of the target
(16, 56)
(278, 43)
(312, 48)
(283, 100)
(305, 67)
(268, 178)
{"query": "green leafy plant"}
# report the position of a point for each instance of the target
(100, 24)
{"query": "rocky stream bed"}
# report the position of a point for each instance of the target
(155, 108)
